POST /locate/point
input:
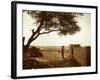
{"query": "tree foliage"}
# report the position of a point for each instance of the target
(46, 21)
(64, 22)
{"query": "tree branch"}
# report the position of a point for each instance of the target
(41, 24)
(35, 33)
(48, 32)
(36, 36)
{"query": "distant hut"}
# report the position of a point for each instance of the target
(72, 46)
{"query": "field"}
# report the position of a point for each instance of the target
(51, 58)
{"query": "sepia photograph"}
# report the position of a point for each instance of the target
(56, 39)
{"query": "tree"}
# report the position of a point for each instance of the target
(62, 22)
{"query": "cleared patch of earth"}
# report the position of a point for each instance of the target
(57, 63)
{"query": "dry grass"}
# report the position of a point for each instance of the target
(51, 59)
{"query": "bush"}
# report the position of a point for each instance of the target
(29, 61)
(29, 64)
(35, 52)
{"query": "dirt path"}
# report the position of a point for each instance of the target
(57, 63)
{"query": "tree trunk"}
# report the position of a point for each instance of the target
(26, 47)
(34, 35)
(28, 44)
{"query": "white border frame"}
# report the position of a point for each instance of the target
(41, 72)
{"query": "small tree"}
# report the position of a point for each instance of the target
(62, 22)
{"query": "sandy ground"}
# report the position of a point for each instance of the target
(54, 59)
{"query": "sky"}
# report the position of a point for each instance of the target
(82, 37)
